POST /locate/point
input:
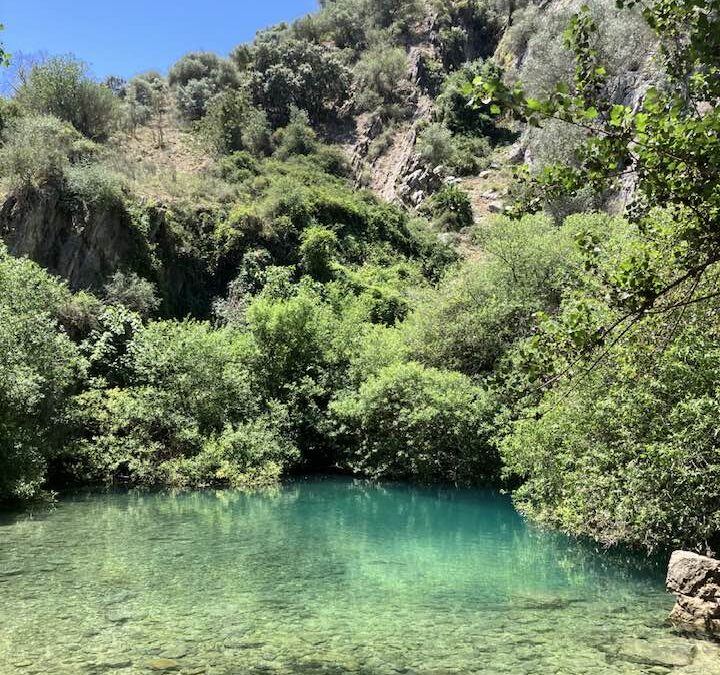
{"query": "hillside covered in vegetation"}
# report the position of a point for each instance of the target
(465, 241)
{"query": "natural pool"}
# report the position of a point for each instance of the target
(323, 576)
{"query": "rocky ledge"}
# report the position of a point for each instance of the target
(695, 581)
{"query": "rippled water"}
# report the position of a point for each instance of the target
(323, 576)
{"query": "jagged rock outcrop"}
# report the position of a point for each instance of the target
(397, 174)
(83, 245)
(695, 581)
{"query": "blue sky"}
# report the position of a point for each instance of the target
(130, 36)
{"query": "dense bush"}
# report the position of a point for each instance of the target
(409, 421)
(461, 155)
(452, 106)
(197, 78)
(435, 145)
(451, 208)
(188, 413)
(470, 154)
(318, 249)
(629, 453)
(39, 370)
(93, 184)
(232, 123)
(36, 149)
(381, 79)
(137, 294)
(62, 87)
(297, 138)
(475, 315)
(289, 73)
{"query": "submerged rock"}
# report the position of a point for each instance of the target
(163, 664)
(119, 616)
(695, 581)
(10, 572)
(670, 654)
(174, 652)
(115, 664)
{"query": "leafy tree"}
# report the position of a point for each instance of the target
(288, 72)
(197, 78)
(610, 398)
(146, 99)
(409, 421)
(232, 124)
(39, 370)
(4, 56)
(61, 87)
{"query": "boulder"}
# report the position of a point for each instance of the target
(163, 664)
(695, 581)
(668, 654)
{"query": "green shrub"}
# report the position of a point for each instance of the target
(297, 138)
(39, 371)
(293, 337)
(435, 145)
(452, 105)
(381, 79)
(289, 73)
(451, 208)
(628, 453)
(470, 154)
(36, 149)
(94, 184)
(187, 391)
(197, 78)
(478, 312)
(344, 23)
(61, 87)
(237, 167)
(317, 251)
(409, 421)
(249, 454)
(132, 291)
(333, 160)
(232, 123)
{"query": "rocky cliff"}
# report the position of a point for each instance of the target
(86, 242)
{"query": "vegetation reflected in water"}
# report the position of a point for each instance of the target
(323, 575)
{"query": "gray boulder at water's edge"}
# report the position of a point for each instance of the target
(695, 581)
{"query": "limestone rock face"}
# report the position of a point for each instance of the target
(81, 245)
(695, 581)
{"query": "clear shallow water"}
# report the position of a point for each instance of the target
(323, 576)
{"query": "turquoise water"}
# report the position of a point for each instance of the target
(323, 576)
